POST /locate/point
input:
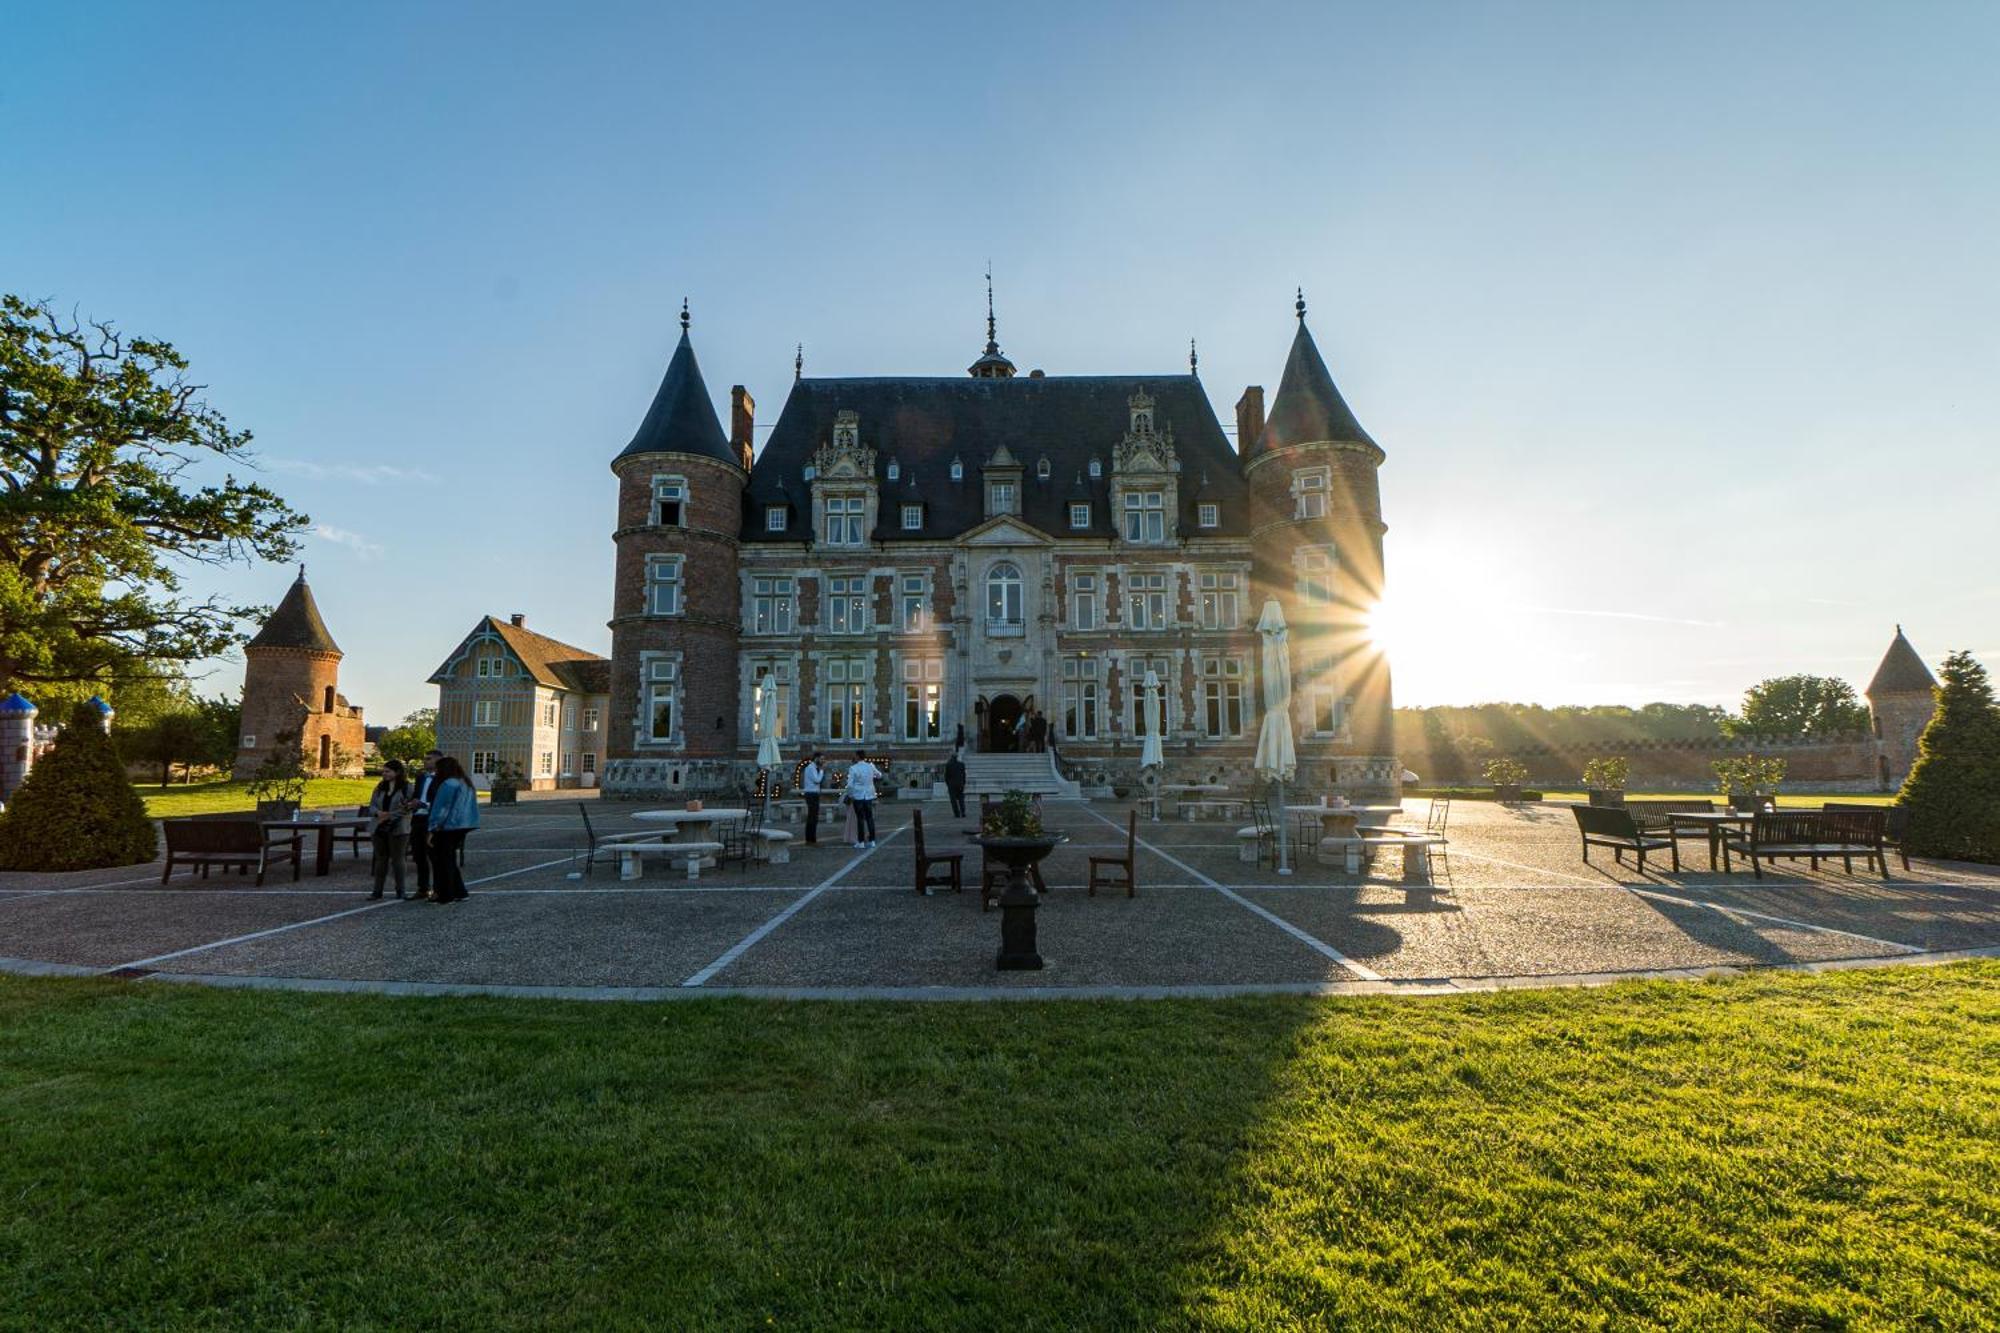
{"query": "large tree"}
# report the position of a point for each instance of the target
(1800, 707)
(108, 494)
(1953, 791)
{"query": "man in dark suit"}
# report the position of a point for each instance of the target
(420, 836)
(954, 783)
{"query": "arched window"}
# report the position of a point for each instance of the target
(1003, 594)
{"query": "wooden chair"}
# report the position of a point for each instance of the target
(952, 874)
(1896, 822)
(1101, 867)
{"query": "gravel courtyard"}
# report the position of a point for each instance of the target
(1514, 905)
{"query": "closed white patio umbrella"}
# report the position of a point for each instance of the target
(1152, 752)
(768, 754)
(1277, 758)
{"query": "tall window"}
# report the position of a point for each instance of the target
(914, 603)
(1222, 696)
(1000, 497)
(1145, 516)
(549, 714)
(923, 699)
(1220, 604)
(847, 604)
(1003, 595)
(846, 699)
(844, 515)
(670, 496)
(1147, 594)
(1135, 691)
(662, 699)
(486, 712)
(485, 763)
(1080, 697)
(1315, 575)
(773, 678)
(1329, 712)
(770, 606)
(663, 585)
(547, 764)
(590, 761)
(1083, 601)
(590, 719)
(569, 715)
(1309, 492)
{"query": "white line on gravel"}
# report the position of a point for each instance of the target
(744, 945)
(1311, 941)
(1728, 910)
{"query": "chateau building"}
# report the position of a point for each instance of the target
(291, 694)
(510, 697)
(913, 559)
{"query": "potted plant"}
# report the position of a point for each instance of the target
(1749, 782)
(1506, 775)
(1012, 833)
(507, 783)
(278, 784)
(1606, 778)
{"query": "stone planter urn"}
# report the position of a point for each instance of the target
(503, 795)
(1018, 902)
(1613, 797)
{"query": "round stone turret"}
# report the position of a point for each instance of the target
(17, 742)
(1901, 698)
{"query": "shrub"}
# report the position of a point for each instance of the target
(1953, 791)
(77, 810)
(1013, 816)
(1607, 774)
(1748, 775)
(281, 774)
(1506, 772)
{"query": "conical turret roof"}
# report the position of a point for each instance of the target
(1308, 408)
(1902, 671)
(682, 418)
(296, 623)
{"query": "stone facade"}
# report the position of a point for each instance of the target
(909, 561)
(509, 697)
(291, 693)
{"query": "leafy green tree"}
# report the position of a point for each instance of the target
(191, 733)
(1953, 791)
(411, 739)
(1800, 707)
(77, 810)
(101, 441)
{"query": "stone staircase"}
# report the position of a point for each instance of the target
(991, 774)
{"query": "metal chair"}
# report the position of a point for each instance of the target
(594, 840)
(1435, 820)
(1267, 831)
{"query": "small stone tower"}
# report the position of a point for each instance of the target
(1316, 515)
(291, 679)
(676, 612)
(17, 742)
(1901, 699)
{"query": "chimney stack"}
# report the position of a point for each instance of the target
(1249, 418)
(518, 620)
(742, 424)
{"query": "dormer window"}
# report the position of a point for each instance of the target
(1145, 517)
(845, 515)
(776, 518)
(846, 430)
(895, 470)
(913, 518)
(1208, 515)
(1001, 498)
(1042, 468)
(1142, 418)
(957, 470)
(670, 496)
(1079, 516)
(1096, 468)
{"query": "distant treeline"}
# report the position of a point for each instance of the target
(1488, 728)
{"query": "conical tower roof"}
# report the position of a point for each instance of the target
(1901, 672)
(296, 623)
(1308, 408)
(682, 418)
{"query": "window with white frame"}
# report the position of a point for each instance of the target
(776, 518)
(1096, 468)
(1221, 697)
(547, 765)
(488, 665)
(1004, 596)
(923, 699)
(914, 603)
(844, 517)
(1135, 692)
(770, 605)
(847, 604)
(1000, 498)
(1080, 686)
(663, 585)
(1315, 574)
(670, 498)
(590, 718)
(485, 763)
(1146, 516)
(569, 714)
(1146, 594)
(1079, 516)
(485, 712)
(1329, 709)
(1083, 601)
(846, 699)
(1208, 515)
(569, 763)
(913, 518)
(773, 678)
(549, 714)
(1221, 600)
(895, 470)
(662, 718)
(1309, 487)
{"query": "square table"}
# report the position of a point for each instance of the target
(1713, 824)
(323, 847)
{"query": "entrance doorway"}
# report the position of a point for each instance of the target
(1002, 712)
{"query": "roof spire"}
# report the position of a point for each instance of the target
(684, 314)
(799, 363)
(991, 365)
(1194, 362)
(302, 579)
(1300, 305)
(992, 341)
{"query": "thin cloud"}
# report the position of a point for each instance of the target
(1617, 615)
(365, 474)
(354, 541)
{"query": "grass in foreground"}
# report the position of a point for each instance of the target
(1776, 1151)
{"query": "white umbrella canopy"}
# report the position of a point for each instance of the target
(768, 754)
(1277, 758)
(1152, 753)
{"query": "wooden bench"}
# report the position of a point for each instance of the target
(1895, 823)
(632, 855)
(1655, 818)
(1610, 826)
(227, 842)
(1811, 835)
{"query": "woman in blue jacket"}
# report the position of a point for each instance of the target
(454, 813)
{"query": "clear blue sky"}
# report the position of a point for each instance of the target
(1678, 323)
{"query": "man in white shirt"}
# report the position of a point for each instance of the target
(810, 782)
(861, 776)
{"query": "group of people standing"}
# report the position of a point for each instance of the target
(859, 796)
(1031, 731)
(427, 820)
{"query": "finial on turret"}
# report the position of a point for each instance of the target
(1300, 304)
(302, 579)
(684, 314)
(799, 363)
(1194, 362)
(992, 340)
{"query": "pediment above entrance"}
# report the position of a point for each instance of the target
(1004, 531)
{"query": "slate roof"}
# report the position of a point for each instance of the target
(924, 422)
(682, 418)
(1902, 671)
(296, 623)
(552, 662)
(1308, 408)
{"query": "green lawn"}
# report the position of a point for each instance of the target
(1812, 800)
(1775, 1151)
(215, 798)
